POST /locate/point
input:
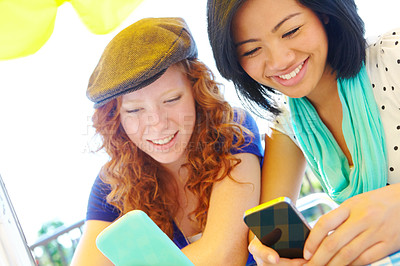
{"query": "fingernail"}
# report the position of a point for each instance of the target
(307, 254)
(250, 248)
(271, 259)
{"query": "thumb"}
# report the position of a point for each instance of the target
(262, 253)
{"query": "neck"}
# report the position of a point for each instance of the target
(326, 93)
(176, 170)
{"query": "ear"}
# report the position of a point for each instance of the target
(325, 19)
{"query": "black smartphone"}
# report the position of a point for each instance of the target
(279, 225)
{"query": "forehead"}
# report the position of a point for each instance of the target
(173, 79)
(268, 12)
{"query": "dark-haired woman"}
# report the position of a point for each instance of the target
(339, 111)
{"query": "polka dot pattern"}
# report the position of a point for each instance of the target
(383, 62)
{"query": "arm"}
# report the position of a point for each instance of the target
(283, 169)
(86, 253)
(224, 240)
(282, 173)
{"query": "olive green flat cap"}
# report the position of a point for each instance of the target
(138, 56)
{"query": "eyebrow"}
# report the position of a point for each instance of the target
(244, 42)
(135, 101)
(283, 21)
(273, 30)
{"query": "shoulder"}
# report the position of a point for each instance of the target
(383, 67)
(252, 138)
(282, 122)
(383, 56)
(98, 207)
(389, 39)
(244, 118)
(100, 188)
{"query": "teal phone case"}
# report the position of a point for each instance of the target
(134, 239)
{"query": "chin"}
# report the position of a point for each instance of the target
(168, 158)
(295, 94)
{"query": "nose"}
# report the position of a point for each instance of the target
(156, 119)
(279, 57)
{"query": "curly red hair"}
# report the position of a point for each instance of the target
(139, 182)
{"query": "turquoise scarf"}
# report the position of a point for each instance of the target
(364, 135)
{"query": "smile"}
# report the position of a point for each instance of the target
(164, 140)
(293, 73)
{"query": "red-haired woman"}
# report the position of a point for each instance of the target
(178, 151)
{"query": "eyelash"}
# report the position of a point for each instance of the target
(167, 101)
(133, 111)
(286, 35)
(290, 33)
(173, 99)
(249, 53)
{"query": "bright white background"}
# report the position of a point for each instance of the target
(45, 132)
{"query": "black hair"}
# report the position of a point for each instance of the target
(346, 45)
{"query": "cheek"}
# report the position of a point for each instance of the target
(317, 39)
(130, 125)
(187, 121)
(253, 68)
(187, 117)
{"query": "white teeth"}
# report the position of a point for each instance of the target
(163, 141)
(293, 73)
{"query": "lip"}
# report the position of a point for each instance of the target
(166, 146)
(295, 80)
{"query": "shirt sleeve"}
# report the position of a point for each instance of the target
(252, 144)
(98, 208)
(282, 122)
(383, 66)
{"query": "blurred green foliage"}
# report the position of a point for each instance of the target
(52, 251)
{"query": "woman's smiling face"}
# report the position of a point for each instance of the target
(281, 44)
(159, 118)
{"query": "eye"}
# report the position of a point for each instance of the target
(174, 99)
(251, 52)
(132, 111)
(290, 33)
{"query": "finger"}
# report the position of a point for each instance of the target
(259, 262)
(352, 250)
(262, 253)
(374, 253)
(325, 224)
(340, 242)
(284, 262)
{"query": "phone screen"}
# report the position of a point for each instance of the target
(280, 226)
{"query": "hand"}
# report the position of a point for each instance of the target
(365, 229)
(264, 255)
